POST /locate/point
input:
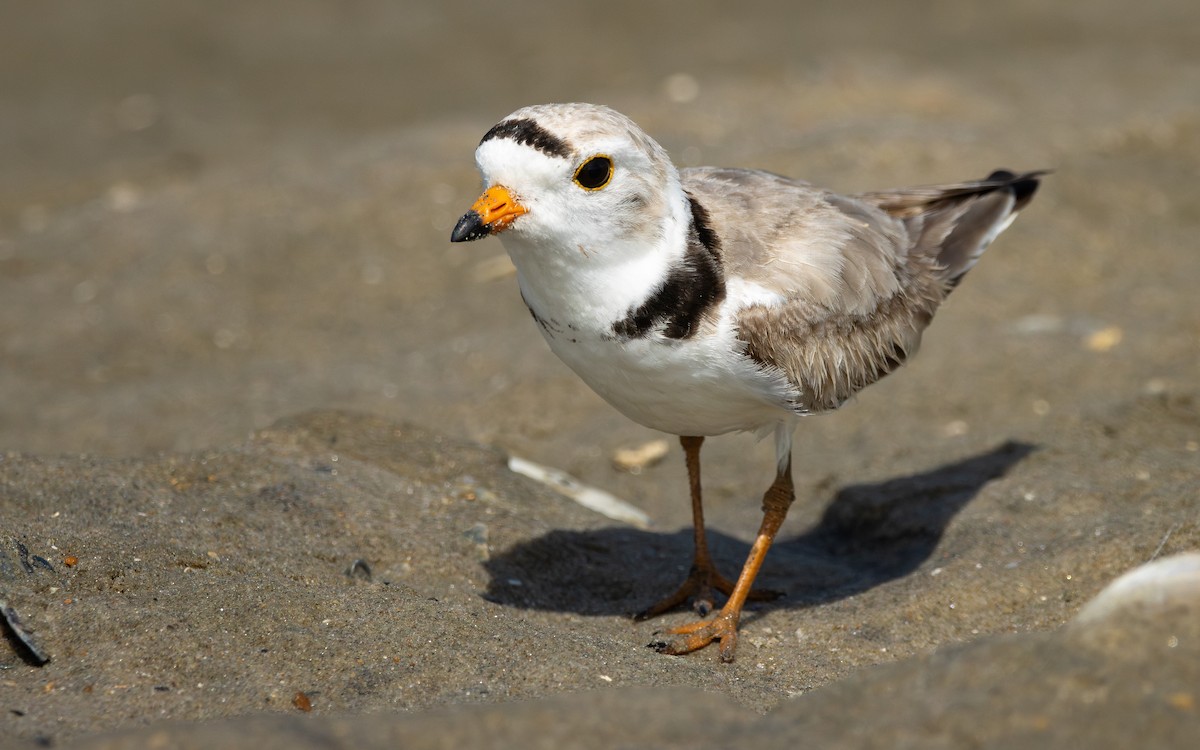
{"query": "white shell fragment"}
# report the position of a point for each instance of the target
(604, 503)
(1154, 585)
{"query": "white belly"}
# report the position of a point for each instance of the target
(697, 386)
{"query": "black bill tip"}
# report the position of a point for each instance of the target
(470, 227)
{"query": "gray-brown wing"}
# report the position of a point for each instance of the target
(858, 277)
(798, 241)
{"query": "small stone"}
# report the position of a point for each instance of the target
(1104, 339)
(478, 534)
(634, 460)
(302, 702)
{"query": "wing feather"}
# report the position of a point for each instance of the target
(853, 280)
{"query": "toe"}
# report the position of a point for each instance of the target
(684, 644)
(728, 645)
(696, 635)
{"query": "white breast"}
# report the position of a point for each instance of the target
(701, 385)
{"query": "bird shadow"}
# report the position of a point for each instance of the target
(869, 534)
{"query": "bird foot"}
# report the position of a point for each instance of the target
(698, 587)
(697, 635)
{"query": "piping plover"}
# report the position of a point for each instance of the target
(705, 301)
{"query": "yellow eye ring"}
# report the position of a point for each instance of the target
(594, 173)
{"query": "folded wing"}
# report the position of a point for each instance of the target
(840, 288)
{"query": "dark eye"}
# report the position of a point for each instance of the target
(594, 173)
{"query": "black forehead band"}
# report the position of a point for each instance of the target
(529, 133)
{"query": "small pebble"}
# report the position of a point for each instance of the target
(302, 702)
(956, 428)
(1104, 339)
(638, 458)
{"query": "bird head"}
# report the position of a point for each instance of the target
(567, 177)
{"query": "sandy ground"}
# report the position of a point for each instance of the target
(237, 353)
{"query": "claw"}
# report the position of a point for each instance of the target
(697, 635)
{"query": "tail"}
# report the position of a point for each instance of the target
(956, 223)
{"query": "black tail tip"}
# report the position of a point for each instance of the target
(1023, 185)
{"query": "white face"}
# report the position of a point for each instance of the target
(607, 193)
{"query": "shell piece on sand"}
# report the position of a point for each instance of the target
(604, 503)
(1155, 585)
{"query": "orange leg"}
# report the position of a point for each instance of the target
(703, 577)
(724, 625)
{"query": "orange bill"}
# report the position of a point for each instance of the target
(493, 212)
